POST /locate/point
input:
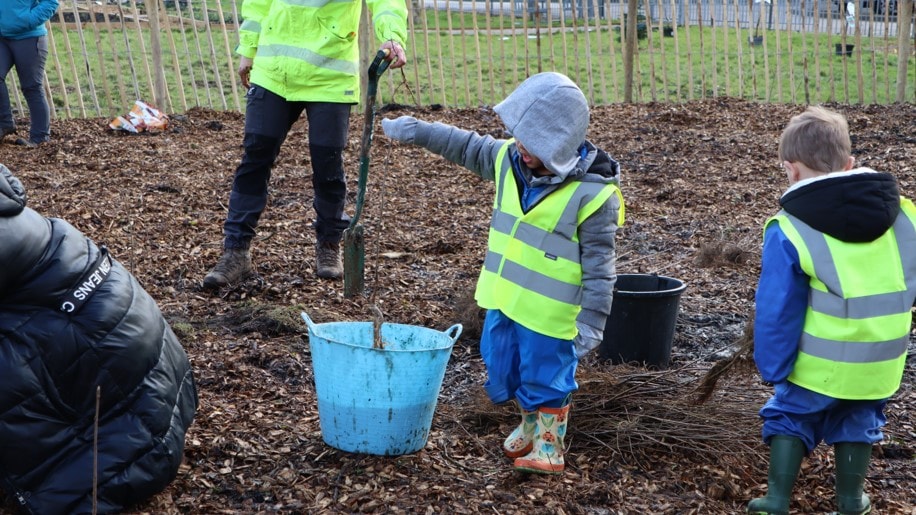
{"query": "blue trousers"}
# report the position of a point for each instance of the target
(813, 417)
(534, 369)
(268, 119)
(28, 56)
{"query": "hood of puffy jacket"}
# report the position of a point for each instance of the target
(854, 206)
(592, 165)
(12, 193)
(598, 166)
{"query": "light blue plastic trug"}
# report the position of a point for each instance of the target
(378, 401)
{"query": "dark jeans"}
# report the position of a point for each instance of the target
(28, 56)
(268, 119)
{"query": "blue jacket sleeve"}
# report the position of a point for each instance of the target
(42, 12)
(781, 304)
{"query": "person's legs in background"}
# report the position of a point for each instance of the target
(29, 57)
(268, 118)
(7, 124)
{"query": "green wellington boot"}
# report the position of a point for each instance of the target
(521, 441)
(851, 465)
(786, 453)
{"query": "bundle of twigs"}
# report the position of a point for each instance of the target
(741, 361)
(639, 413)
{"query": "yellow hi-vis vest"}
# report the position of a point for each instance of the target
(532, 271)
(858, 321)
(308, 50)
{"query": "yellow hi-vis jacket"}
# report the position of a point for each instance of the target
(857, 328)
(532, 271)
(308, 50)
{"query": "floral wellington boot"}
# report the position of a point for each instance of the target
(546, 456)
(521, 441)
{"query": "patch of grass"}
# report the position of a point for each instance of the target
(464, 59)
(269, 320)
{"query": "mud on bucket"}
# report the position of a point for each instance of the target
(643, 316)
(372, 400)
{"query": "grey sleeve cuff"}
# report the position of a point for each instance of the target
(593, 319)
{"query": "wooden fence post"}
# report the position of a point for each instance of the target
(160, 92)
(629, 51)
(904, 21)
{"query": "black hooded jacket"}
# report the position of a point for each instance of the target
(77, 328)
(854, 207)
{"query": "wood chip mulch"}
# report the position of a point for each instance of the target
(699, 180)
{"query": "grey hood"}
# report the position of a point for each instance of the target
(549, 114)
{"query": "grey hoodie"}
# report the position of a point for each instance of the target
(596, 234)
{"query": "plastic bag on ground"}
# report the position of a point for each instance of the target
(142, 117)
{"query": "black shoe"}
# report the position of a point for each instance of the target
(22, 142)
(6, 131)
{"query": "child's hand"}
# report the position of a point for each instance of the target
(587, 340)
(403, 128)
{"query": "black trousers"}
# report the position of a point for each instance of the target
(268, 119)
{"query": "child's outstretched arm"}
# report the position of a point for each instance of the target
(471, 150)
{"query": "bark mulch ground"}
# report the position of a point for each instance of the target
(699, 181)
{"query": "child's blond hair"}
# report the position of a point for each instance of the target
(817, 138)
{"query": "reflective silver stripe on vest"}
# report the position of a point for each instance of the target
(491, 262)
(857, 308)
(906, 244)
(533, 281)
(870, 306)
(832, 302)
(821, 259)
(381, 14)
(540, 239)
(586, 193)
(853, 352)
(308, 56)
(535, 236)
(503, 222)
(504, 169)
(250, 25)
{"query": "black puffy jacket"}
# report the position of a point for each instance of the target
(74, 322)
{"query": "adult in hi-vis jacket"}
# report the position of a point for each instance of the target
(295, 57)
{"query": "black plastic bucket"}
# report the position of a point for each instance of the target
(643, 316)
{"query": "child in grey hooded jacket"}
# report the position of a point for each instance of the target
(548, 277)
